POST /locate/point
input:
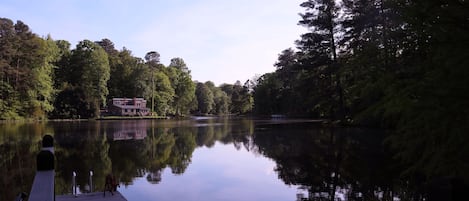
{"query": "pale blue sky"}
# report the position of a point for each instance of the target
(220, 40)
(244, 176)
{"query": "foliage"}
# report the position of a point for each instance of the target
(221, 102)
(42, 92)
(9, 103)
(266, 100)
(164, 94)
(71, 103)
(179, 64)
(26, 71)
(204, 98)
(91, 64)
(211, 99)
(241, 98)
(184, 89)
(385, 63)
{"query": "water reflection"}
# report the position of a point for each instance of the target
(331, 164)
(17, 157)
(131, 149)
(130, 130)
(326, 164)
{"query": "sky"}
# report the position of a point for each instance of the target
(220, 40)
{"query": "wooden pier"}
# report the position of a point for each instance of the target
(44, 181)
(97, 196)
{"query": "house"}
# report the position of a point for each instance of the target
(128, 107)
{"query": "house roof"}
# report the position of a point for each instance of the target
(130, 107)
(124, 99)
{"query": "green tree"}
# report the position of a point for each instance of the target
(70, 103)
(108, 47)
(129, 80)
(42, 92)
(164, 94)
(118, 69)
(92, 64)
(184, 89)
(319, 54)
(179, 64)
(227, 88)
(26, 63)
(9, 102)
(185, 94)
(266, 95)
(241, 99)
(123, 81)
(153, 62)
(291, 96)
(62, 71)
(152, 57)
(221, 100)
(429, 106)
(141, 79)
(204, 98)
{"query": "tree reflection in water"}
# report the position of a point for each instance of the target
(327, 163)
(133, 149)
(18, 157)
(333, 164)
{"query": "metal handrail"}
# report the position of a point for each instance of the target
(74, 183)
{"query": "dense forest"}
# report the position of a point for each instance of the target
(372, 61)
(386, 63)
(44, 78)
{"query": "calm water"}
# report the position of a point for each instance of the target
(206, 159)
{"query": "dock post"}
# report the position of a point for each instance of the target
(91, 181)
(43, 184)
(74, 183)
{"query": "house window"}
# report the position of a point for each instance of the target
(125, 110)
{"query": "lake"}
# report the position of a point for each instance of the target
(207, 159)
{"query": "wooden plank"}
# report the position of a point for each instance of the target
(97, 196)
(43, 186)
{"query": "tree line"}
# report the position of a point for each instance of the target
(396, 64)
(44, 78)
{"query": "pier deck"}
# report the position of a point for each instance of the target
(97, 196)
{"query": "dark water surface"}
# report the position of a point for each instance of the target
(206, 159)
